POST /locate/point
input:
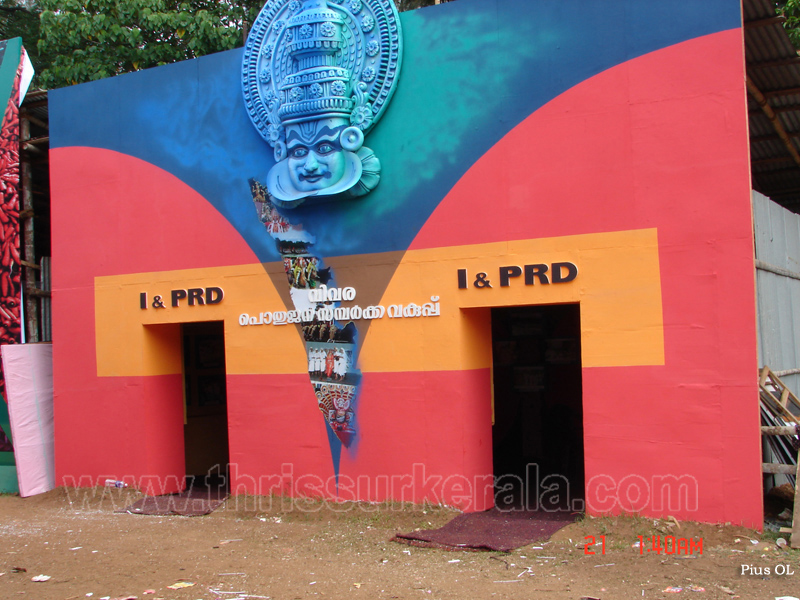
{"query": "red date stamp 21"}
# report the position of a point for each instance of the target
(656, 544)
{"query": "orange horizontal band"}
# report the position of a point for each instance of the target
(618, 286)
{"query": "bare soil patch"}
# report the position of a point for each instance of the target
(286, 549)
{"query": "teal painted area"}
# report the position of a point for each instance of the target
(5, 422)
(8, 469)
(434, 120)
(8, 68)
(8, 478)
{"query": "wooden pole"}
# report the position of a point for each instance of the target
(779, 19)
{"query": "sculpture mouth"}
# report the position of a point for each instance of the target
(314, 178)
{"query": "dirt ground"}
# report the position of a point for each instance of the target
(262, 547)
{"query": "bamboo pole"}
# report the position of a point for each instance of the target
(765, 266)
(776, 124)
(779, 430)
(778, 469)
(787, 371)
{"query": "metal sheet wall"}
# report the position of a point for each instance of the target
(777, 252)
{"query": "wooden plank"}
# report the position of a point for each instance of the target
(779, 396)
(767, 378)
(785, 391)
(777, 407)
(785, 396)
(30, 265)
(762, 379)
(37, 293)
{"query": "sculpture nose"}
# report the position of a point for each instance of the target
(311, 163)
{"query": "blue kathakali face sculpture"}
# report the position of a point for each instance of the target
(317, 76)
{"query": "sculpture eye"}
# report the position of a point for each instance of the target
(325, 148)
(299, 152)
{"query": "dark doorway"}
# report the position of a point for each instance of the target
(538, 407)
(206, 405)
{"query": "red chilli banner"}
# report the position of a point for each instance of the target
(12, 64)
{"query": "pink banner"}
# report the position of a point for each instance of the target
(28, 370)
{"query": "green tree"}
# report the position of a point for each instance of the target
(20, 18)
(93, 39)
(84, 40)
(790, 10)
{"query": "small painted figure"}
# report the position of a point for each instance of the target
(342, 415)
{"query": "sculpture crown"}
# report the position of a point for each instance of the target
(319, 84)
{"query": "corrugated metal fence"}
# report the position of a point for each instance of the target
(777, 251)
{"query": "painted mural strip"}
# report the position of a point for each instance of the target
(331, 344)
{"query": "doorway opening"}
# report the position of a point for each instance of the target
(537, 433)
(205, 430)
